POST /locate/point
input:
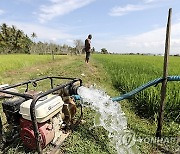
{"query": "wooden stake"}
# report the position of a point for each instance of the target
(52, 54)
(165, 74)
(0, 129)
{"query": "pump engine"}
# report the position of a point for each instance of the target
(54, 111)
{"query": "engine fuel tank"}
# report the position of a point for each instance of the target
(45, 108)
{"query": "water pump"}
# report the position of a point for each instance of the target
(40, 118)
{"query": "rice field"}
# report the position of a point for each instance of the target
(18, 61)
(131, 71)
(12, 62)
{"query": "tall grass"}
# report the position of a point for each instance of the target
(130, 71)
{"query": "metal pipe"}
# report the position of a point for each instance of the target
(23, 83)
(27, 96)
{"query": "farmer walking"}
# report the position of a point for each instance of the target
(88, 47)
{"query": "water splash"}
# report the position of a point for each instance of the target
(109, 115)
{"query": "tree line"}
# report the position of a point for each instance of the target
(14, 40)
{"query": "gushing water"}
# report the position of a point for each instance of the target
(109, 115)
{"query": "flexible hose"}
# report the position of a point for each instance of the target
(149, 84)
(173, 78)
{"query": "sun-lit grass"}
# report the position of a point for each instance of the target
(128, 72)
(12, 62)
(18, 61)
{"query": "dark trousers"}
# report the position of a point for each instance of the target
(87, 56)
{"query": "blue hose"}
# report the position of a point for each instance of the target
(76, 97)
(173, 78)
(149, 84)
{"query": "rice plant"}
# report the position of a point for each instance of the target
(16, 61)
(131, 71)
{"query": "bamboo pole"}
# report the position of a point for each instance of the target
(52, 54)
(0, 129)
(165, 74)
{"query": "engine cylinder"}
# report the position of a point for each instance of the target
(28, 136)
(11, 109)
